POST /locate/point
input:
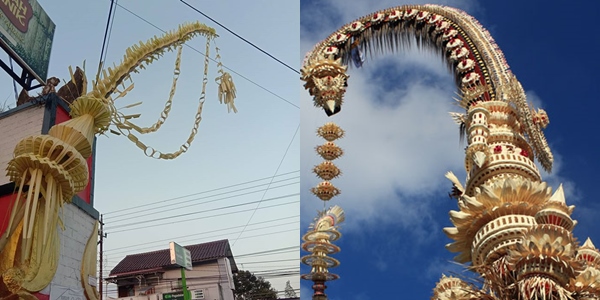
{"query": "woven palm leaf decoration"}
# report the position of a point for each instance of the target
(49, 169)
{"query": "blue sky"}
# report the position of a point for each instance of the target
(229, 149)
(400, 140)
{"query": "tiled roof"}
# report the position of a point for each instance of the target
(157, 260)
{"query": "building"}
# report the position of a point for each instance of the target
(151, 275)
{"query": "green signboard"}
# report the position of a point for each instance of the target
(180, 256)
(26, 33)
(173, 296)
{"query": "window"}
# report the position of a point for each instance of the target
(126, 291)
(198, 294)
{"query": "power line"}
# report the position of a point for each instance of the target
(203, 192)
(267, 251)
(109, 21)
(180, 240)
(241, 38)
(270, 261)
(224, 66)
(195, 234)
(207, 210)
(204, 202)
(120, 253)
(277, 170)
(129, 216)
(273, 270)
(255, 270)
(206, 217)
(221, 236)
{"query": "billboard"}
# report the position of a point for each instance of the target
(180, 256)
(26, 33)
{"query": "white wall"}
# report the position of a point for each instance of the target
(15, 127)
(78, 228)
(207, 277)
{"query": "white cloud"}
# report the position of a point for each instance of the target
(399, 142)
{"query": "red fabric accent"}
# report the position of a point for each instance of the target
(61, 115)
(6, 202)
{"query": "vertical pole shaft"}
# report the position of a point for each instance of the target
(101, 258)
(186, 295)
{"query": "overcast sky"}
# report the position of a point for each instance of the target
(400, 140)
(258, 142)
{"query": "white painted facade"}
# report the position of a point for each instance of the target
(13, 128)
(78, 227)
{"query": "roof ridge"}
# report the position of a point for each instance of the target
(161, 258)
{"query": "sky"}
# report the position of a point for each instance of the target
(400, 140)
(242, 169)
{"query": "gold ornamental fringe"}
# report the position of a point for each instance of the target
(226, 86)
(227, 91)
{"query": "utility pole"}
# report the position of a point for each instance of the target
(101, 242)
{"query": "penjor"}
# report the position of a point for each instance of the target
(510, 227)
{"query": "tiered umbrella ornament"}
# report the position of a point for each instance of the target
(49, 169)
(510, 227)
(327, 170)
(317, 241)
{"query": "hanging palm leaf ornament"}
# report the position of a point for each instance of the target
(49, 169)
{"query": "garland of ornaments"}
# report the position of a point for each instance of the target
(324, 229)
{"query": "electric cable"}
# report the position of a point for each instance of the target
(241, 38)
(277, 170)
(150, 248)
(194, 194)
(132, 215)
(206, 217)
(104, 40)
(195, 234)
(267, 251)
(202, 211)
